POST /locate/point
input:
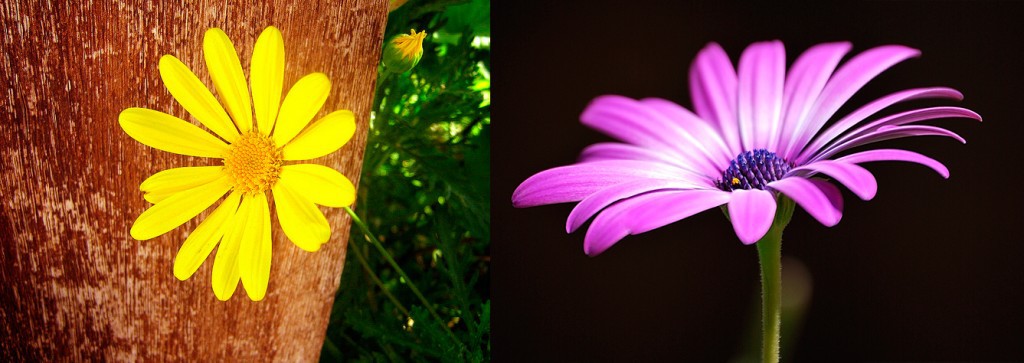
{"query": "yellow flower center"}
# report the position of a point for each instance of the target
(410, 44)
(253, 163)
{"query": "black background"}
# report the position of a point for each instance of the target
(931, 269)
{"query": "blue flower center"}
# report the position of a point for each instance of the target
(753, 169)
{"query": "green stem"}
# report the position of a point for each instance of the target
(376, 280)
(378, 92)
(408, 282)
(383, 76)
(769, 252)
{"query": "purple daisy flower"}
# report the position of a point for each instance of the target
(757, 132)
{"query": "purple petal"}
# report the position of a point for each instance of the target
(752, 212)
(848, 80)
(761, 76)
(810, 197)
(887, 133)
(915, 116)
(647, 212)
(620, 151)
(713, 88)
(629, 120)
(896, 155)
(711, 142)
(831, 191)
(866, 111)
(857, 179)
(804, 83)
(594, 203)
(892, 120)
(908, 117)
(574, 182)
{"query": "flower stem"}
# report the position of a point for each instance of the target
(381, 77)
(769, 252)
(408, 282)
(376, 280)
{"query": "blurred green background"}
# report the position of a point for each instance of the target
(425, 197)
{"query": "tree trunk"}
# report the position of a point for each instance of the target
(73, 284)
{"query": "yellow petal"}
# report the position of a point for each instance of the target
(300, 219)
(157, 197)
(321, 137)
(168, 182)
(254, 253)
(168, 133)
(177, 209)
(267, 77)
(204, 238)
(193, 95)
(301, 103)
(225, 265)
(319, 184)
(226, 71)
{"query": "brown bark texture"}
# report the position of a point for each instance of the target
(73, 284)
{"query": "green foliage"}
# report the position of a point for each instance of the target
(425, 195)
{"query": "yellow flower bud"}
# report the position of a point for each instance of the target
(404, 51)
(395, 4)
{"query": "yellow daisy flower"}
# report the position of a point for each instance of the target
(255, 152)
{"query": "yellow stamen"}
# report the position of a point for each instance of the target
(735, 181)
(410, 44)
(253, 163)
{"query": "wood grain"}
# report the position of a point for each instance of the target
(73, 284)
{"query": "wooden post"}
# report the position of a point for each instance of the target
(73, 284)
